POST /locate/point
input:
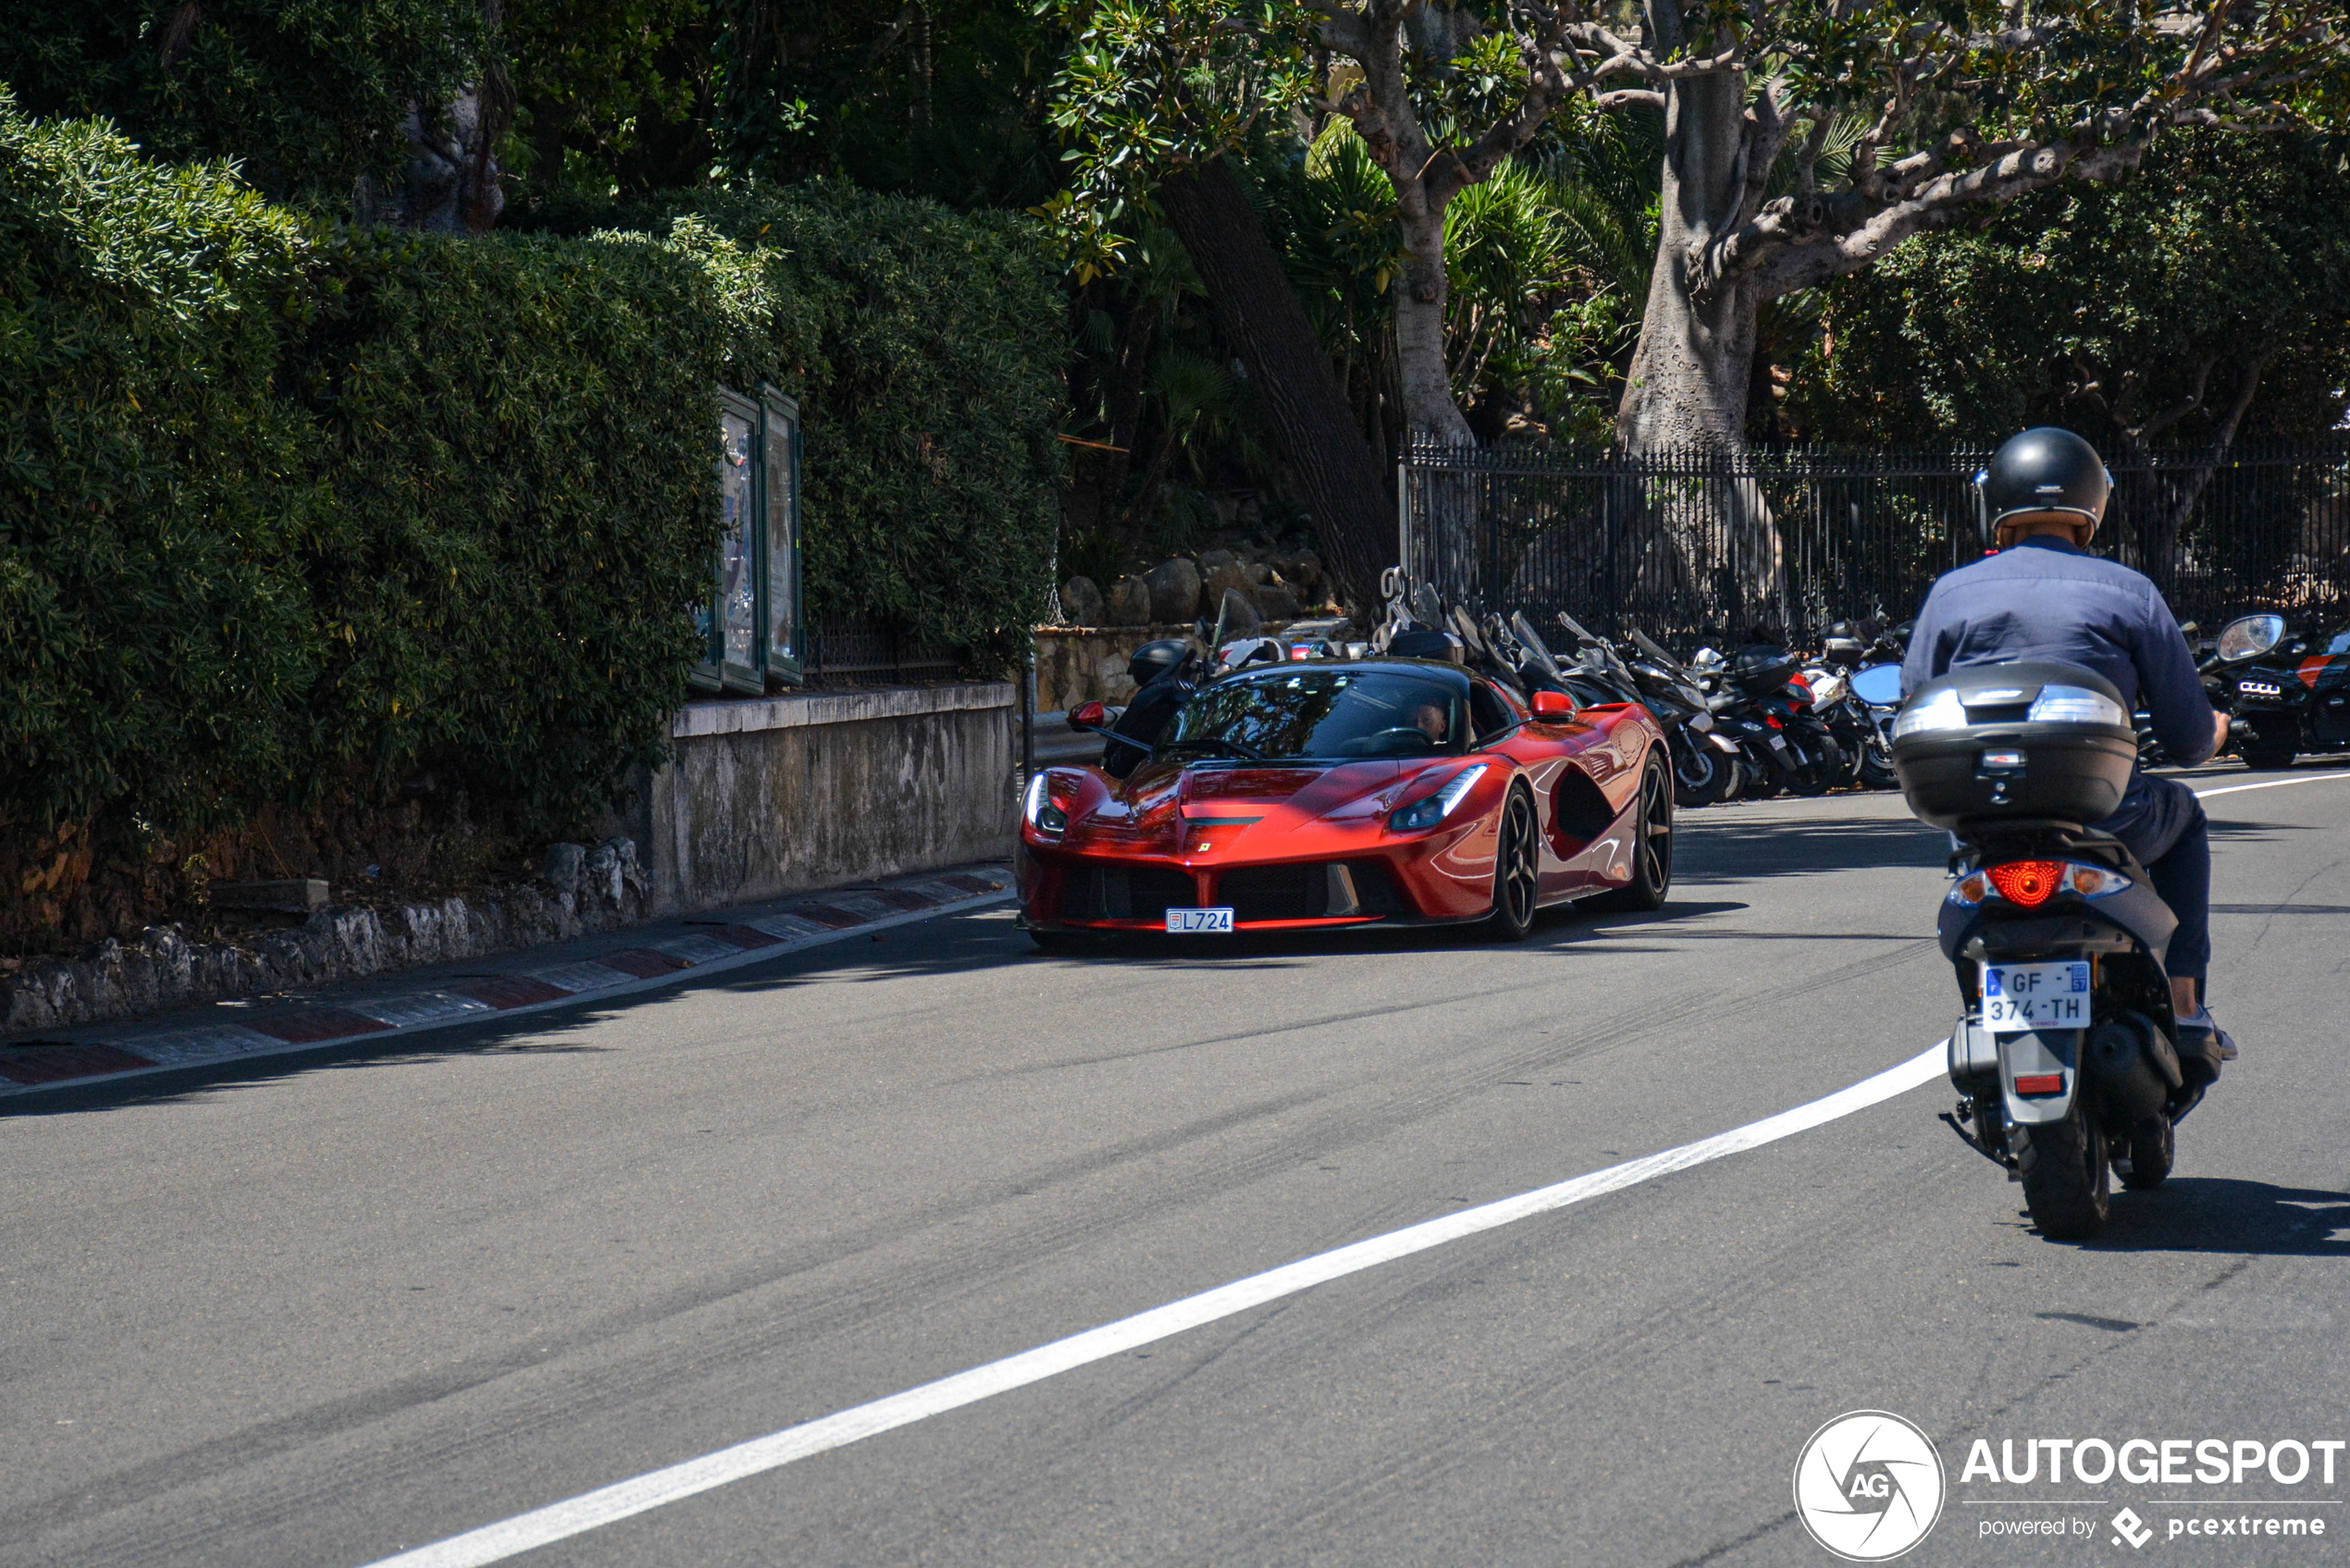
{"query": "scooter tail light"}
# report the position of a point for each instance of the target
(2094, 882)
(2028, 883)
(2039, 1083)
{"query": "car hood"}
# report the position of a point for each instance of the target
(1162, 809)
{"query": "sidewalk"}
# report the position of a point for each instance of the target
(506, 984)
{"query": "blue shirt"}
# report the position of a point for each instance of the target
(2046, 600)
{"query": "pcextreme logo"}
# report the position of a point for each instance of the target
(1869, 1486)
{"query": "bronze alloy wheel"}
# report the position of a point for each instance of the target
(1517, 871)
(1653, 854)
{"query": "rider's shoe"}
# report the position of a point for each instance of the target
(2201, 1035)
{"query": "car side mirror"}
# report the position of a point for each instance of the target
(1553, 705)
(1087, 716)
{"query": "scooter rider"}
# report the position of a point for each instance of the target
(1162, 674)
(2042, 596)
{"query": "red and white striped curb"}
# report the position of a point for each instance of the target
(697, 947)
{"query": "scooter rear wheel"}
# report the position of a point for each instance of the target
(2064, 1170)
(2152, 1147)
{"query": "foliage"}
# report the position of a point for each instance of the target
(1153, 86)
(943, 99)
(2130, 312)
(514, 436)
(152, 503)
(615, 97)
(305, 96)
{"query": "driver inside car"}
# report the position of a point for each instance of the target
(2043, 596)
(1431, 722)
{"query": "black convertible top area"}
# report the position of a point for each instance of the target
(1330, 710)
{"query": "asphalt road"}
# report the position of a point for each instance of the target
(315, 1310)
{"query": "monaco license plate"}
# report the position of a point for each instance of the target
(2021, 996)
(1199, 919)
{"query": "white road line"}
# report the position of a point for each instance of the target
(540, 1527)
(2271, 784)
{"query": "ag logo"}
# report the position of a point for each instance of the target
(1868, 1486)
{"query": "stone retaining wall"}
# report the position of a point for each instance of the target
(579, 891)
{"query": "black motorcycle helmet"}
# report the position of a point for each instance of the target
(1156, 658)
(2045, 469)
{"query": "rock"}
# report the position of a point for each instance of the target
(1082, 602)
(1232, 576)
(612, 873)
(1129, 602)
(1174, 587)
(1308, 575)
(562, 868)
(1215, 558)
(1259, 573)
(1275, 601)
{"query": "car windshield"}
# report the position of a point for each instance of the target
(1323, 714)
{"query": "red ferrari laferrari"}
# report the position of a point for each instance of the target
(1353, 793)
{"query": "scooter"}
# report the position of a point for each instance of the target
(2067, 1054)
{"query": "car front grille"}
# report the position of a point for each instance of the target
(1313, 892)
(1130, 893)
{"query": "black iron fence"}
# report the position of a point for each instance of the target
(847, 651)
(1695, 547)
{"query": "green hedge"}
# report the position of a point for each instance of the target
(158, 642)
(932, 393)
(286, 509)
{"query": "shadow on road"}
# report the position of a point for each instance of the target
(2205, 1213)
(1733, 850)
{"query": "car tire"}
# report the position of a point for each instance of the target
(1653, 854)
(1517, 871)
(1057, 942)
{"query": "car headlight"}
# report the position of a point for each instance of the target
(1942, 710)
(2074, 704)
(1043, 815)
(1422, 814)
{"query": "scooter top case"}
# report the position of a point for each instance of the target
(2036, 740)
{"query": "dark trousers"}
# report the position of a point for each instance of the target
(2162, 822)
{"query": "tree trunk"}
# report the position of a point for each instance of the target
(1689, 379)
(1420, 291)
(1312, 424)
(1687, 388)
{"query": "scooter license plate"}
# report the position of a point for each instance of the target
(1191, 921)
(2021, 996)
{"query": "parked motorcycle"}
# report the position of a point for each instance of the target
(1776, 714)
(1735, 721)
(2066, 1054)
(1867, 752)
(2291, 689)
(1707, 765)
